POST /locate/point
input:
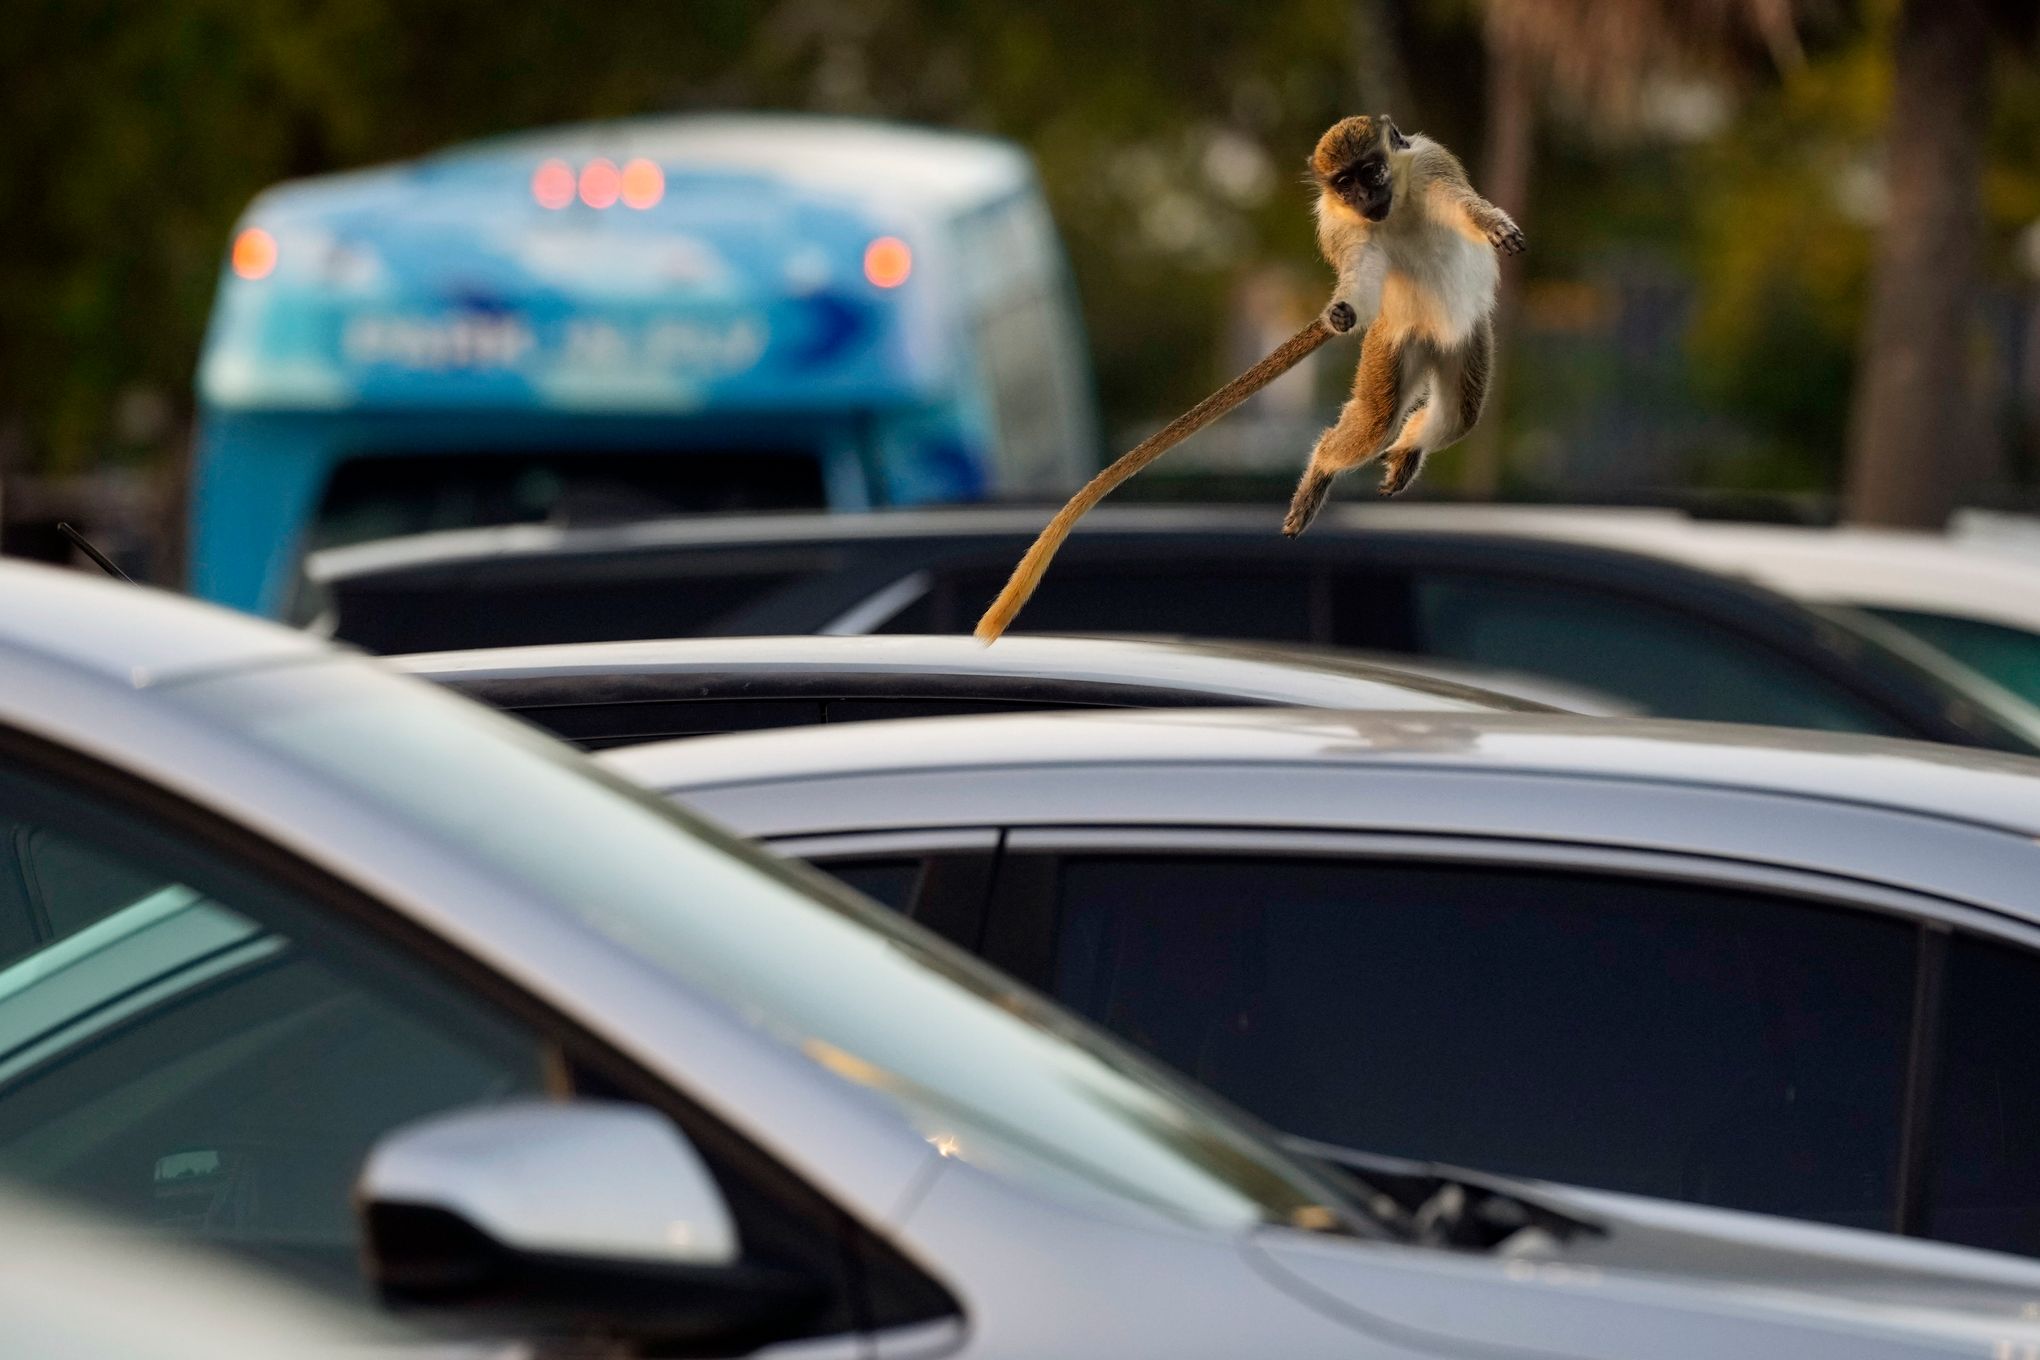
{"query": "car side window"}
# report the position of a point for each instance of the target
(191, 1047)
(51, 887)
(888, 881)
(944, 887)
(1693, 1043)
(1671, 664)
(1983, 1186)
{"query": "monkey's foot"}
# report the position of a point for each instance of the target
(1340, 318)
(1304, 507)
(1507, 238)
(1399, 468)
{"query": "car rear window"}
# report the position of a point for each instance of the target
(2010, 656)
(1262, 602)
(1671, 664)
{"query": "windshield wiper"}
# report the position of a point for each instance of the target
(1435, 1205)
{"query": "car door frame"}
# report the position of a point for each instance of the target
(1023, 918)
(960, 867)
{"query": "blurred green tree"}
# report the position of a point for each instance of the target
(1170, 139)
(1608, 65)
(136, 131)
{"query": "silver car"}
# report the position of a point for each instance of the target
(1769, 971)
(286, 931)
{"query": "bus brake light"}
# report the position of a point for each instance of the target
(644, 183)
(254, 254)
(552, 184)
(600, 183)
(887, 262)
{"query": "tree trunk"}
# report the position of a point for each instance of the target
(1378, 84)
(1912, 407)
(1508, 155)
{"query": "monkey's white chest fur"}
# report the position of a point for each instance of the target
(1437, 288)
(1424, 283)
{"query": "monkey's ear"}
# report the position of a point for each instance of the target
(1396, 140)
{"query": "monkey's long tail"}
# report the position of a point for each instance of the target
(1034, 564)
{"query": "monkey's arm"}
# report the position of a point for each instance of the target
(1500, 229)
(1356, 300)
(1454, 201)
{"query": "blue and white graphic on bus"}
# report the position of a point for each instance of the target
(652, 317)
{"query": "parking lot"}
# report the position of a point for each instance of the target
(531, 826)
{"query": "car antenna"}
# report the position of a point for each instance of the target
(84, 545)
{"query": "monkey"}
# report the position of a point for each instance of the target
(1415, 250)
(1396, 217)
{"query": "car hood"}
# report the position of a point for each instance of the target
(1734, 1282)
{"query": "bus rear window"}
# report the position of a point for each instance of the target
(386, 495)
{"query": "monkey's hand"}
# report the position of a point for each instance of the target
(1341, 318)
(1506, 237)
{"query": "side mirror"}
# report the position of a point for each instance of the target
(586, 1217)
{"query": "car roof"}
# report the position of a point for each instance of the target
(1880, 568)
(454, 548)
(1890, 568)
(132, 634)
(1953, 783)
(1265, 674)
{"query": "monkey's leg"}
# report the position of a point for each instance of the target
(1401, 464)
(1459, 386)
(1308, 500)
(1363, 426)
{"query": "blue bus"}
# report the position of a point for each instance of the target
(624, 320)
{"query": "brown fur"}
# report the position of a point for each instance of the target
(1344, 142)
(1420, 272)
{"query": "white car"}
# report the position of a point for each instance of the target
(317, 962)
(1975, 598)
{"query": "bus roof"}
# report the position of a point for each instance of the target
(737, 268)
(870, 162)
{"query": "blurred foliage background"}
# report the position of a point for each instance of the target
(1704, 184)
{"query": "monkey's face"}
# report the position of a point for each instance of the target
(1354, 164)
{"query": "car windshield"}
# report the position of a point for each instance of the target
(986, 1071)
